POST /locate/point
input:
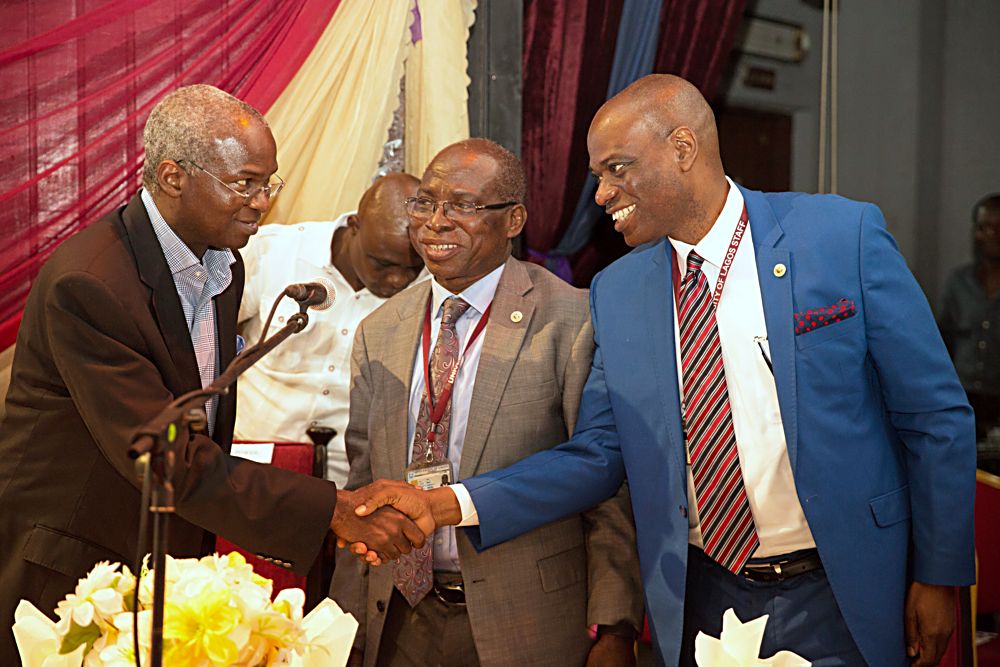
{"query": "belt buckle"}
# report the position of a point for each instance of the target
(765, 572)
(450, 593)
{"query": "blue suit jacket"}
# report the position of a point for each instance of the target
(880, 436)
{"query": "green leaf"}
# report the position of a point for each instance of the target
(78, 635)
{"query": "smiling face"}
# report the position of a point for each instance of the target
(460, 253)
(205, 213)
(640, 180)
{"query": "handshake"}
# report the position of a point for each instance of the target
(386, 519)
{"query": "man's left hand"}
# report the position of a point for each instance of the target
(612, 651)
(929, 620)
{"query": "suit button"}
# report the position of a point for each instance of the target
(682, 510)
(380, 605)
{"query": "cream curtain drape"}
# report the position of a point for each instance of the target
(437, 81)
(334, 117)
(331, 120)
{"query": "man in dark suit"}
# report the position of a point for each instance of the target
(128, 314)
(769, 376)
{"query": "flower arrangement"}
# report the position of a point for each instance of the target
(217, 612)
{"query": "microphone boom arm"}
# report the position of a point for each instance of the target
(149, 437)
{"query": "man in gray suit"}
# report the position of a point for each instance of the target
(497, 392)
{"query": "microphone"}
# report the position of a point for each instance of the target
(318, 294)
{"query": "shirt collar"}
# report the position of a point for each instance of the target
(479, 294)
(713, 246)
(178, 255)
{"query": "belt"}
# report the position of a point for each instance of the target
(783, 569)
(450, 592)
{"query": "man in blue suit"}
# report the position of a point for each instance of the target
(819, 399)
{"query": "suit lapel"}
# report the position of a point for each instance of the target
(776, 294)
(155, 274)
(227, 306)
(501, 346)
(657, 291)
(398, 375)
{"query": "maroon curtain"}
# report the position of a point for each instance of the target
(695, 40)
(77, 80)
(696, 37)
(569, 46)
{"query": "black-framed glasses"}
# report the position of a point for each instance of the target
(422, 208)
(244, 187)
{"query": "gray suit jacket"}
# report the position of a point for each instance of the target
(530, 599)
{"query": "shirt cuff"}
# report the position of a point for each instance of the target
(470, 517)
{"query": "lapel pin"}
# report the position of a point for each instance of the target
(516, 316)
(779, 270)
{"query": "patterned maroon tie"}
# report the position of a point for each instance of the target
(727, 526)
(413, 573)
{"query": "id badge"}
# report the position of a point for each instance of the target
(432, 475)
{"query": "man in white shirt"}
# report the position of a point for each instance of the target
(769, 376)
(304, 382)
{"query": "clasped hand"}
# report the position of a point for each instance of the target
(387, 519)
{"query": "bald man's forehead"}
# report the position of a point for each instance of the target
(616, 135)
(462, 171)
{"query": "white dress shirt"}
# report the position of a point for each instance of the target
(306, 380)
(760, 438)
(479, 295)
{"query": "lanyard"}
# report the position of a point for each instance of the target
(436, 412)
(727, 262)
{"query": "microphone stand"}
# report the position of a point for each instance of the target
(152, 447)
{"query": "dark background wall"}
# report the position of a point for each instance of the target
(919, 115)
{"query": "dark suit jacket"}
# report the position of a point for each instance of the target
(102, 348)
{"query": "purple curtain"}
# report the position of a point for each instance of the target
(696, 37)
(568, 51)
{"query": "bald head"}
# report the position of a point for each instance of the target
(654, 149)
(374, 251)
(509, 181)
(382, 206)
(662, 103)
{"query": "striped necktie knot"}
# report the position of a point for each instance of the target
(694, 261)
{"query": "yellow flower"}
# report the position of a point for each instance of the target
(202, 627)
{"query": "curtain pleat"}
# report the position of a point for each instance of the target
(332, 118)
(77, 80)
(437, 81)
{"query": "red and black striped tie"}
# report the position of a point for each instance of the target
(727, 526)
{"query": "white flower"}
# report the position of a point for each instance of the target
(218, 611)
(95, 600)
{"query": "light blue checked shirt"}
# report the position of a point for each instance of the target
(197, 282)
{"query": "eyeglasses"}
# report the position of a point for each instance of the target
(422, 208)
(244, 187)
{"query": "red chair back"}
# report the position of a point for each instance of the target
(298, 457)
(988, 542)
